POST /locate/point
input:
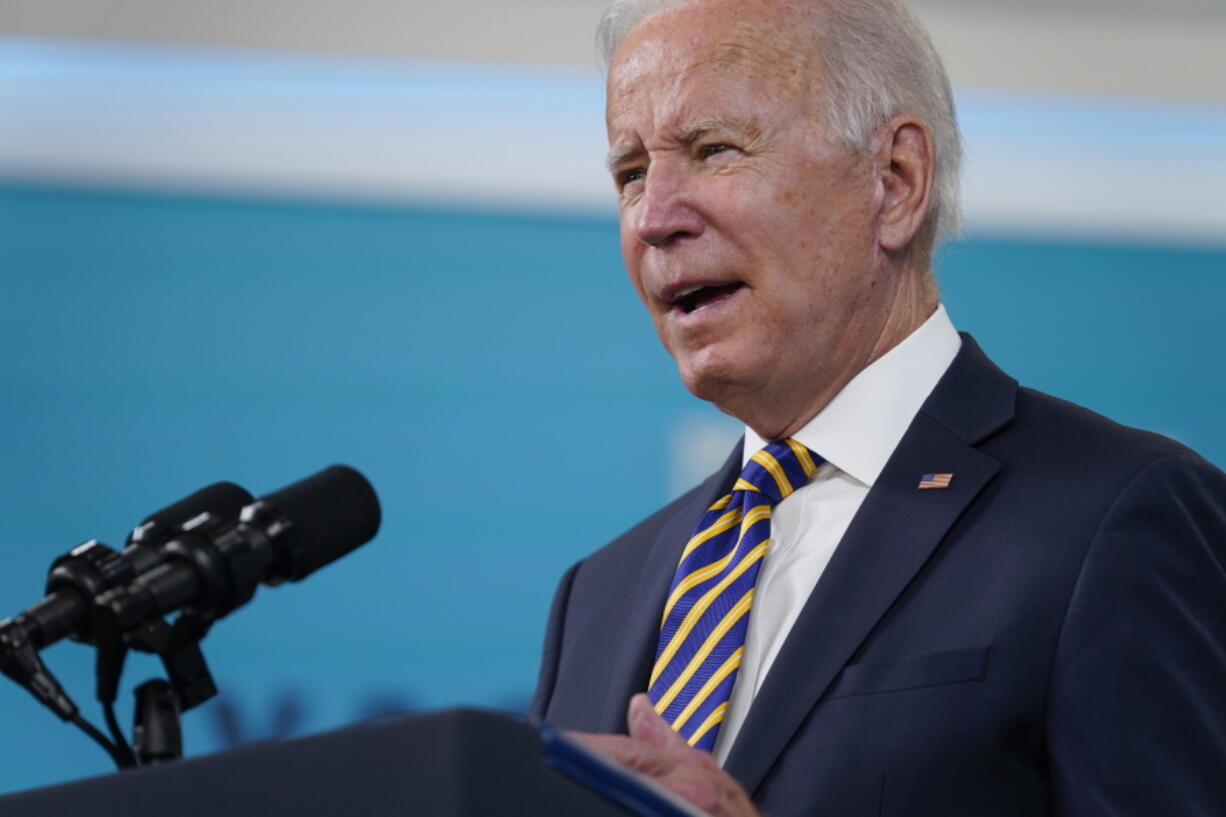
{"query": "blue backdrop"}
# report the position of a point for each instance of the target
(491, 373)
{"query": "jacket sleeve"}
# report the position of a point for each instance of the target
(1136, 717)
(551, 652)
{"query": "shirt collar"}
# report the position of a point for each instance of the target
(859, 429)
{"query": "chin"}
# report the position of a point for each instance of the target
(716, 382)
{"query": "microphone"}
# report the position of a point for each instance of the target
(90, 569)
(213, 565)
(224, 498)
(85, 572)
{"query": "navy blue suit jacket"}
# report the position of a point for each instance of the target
(1046, 636)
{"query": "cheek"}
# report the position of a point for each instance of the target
(632, 261)
(783, 220)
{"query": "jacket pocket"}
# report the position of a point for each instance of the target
(934, 669)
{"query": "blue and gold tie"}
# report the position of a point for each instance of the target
(702, 632)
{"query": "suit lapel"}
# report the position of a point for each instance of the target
(642, 629)
(894, 533)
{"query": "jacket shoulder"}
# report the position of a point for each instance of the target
(1073, 434)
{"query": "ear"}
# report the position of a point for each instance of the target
(906, 162)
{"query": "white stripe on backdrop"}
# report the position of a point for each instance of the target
(256, 123)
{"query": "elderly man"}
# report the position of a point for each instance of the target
(915, 588)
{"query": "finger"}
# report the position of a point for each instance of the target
(647, 725)
(713, 791)
(637, 754)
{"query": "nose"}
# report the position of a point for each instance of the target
(666, 211)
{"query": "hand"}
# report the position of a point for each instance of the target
(654, 749)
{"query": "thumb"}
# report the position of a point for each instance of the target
(645, 725)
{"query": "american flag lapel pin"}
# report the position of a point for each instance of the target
(930, 482)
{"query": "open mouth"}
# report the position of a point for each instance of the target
(691, 300)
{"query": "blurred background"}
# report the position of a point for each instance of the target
(246, 239)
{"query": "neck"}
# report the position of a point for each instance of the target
(778, 416)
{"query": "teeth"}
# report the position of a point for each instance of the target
(685, 292)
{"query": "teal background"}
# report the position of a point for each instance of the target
(490, 372)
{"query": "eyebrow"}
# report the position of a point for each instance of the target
(619, 155)
(688, 137)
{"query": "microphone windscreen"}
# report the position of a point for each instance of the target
(223, 499)
(331, 512)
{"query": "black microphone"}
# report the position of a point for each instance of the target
(87, 571)
(213, 565)
(223, 498)
(90, 569)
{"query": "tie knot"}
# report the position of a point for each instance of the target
(778, 469)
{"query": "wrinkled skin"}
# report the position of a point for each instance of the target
(727, 181)
(654, 749)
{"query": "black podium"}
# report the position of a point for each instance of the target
(460, 763)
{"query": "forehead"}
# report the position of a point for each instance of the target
(765, 45)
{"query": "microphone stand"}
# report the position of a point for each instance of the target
(156, 733)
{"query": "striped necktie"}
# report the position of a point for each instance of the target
(702, 632)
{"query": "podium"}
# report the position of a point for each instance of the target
(459, 763)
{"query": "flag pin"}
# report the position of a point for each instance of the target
(934, 481)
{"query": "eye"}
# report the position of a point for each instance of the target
(707, 151)
(629, 176)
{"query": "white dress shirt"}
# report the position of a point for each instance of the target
(855, 433)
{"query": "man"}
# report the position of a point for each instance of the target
(916, 588)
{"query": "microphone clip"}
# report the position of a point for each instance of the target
(20, 661)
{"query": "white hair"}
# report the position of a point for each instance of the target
(878, 63)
